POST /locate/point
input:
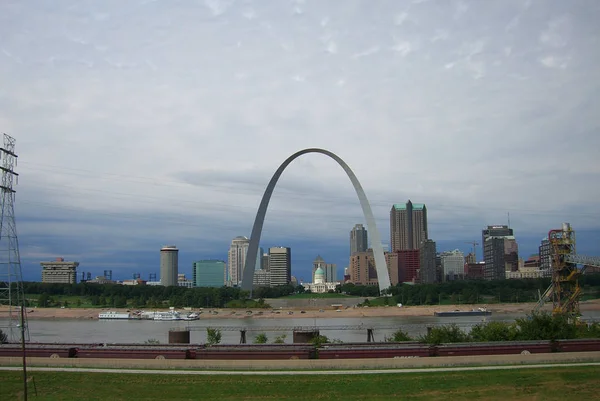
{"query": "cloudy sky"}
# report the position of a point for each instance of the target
(145, 123)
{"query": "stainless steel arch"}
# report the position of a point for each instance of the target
(380, 265)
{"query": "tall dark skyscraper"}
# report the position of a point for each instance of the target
(358, 239)
(494, 231)
(408, 226)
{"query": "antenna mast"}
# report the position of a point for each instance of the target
(12, 297)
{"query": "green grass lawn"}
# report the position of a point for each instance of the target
(311, 295)
(564, 383)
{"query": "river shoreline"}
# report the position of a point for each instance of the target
(283, 313)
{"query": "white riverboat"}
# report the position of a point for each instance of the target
(161, 315)
(115, 315)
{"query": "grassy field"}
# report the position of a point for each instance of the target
(311, 295)
(576, 383)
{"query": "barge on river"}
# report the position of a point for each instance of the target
(473, 312)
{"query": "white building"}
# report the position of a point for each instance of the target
(528, 272)
(319, 285)
(453, 264)
(236, 260)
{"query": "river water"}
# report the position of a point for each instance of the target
(138, 331)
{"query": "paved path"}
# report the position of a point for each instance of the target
(302, 372)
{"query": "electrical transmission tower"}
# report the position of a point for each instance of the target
(12, 298)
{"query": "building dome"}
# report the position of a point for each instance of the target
(319, 276)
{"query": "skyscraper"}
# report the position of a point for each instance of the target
(280, 265)
(408, 226)
(501, 254)
(494, 231)
(428, 253)
(236, 260)
(169, 265)
(358, 239)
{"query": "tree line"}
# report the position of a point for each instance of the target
(538, 326)
(139, 296)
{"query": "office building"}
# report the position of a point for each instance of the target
(545, 250)
(262, 278)
(408, 226)
(59, 271)
(280, 265)
(428, 253)
(358, 239)
(236, 260)
(494, 231)
(501, 254)
(208, 273)
(404, 266)
(169, 265)
(362, 268)
(453, 265)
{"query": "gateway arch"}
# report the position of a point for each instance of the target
(380, 264)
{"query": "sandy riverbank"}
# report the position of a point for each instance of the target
(92, 313)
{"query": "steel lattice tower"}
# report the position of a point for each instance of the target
(12, 297)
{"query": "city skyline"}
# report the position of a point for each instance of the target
(131, 136)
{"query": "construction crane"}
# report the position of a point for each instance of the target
(474, 243)
(564, 289)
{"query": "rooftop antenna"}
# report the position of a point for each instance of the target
(508, 219)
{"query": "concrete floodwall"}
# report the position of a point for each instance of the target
(379, 363)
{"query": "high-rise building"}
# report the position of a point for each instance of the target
(453, 265)
(209, 273)
(59, 271)
(494, 231)
(408, 226)
(501, 254)
(428, 253)
(403, 266)
(169, 265)
(280, 265)
(362, 268)
(358, 239)
(330, 273)
(236, 260)
(545, 250)
(262, 278)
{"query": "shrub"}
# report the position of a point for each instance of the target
(261, 339)
(543, 326)
(494, 331)
(280, 339)
(398, 336)
(3, 337)
(445, 334)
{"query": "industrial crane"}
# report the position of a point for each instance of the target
(564, 289)
(474, 243)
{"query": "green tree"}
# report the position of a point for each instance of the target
(43, 300)
(543, 326)
(445, 334)
(319, 340)
(152, 341)
(261, 339)
(494, 331)
(213, 336)
(398, 336)
(78, 302)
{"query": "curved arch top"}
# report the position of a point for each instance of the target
(380, 264)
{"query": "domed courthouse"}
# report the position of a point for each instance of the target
(323, 277)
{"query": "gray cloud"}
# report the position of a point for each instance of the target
(151, 114)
